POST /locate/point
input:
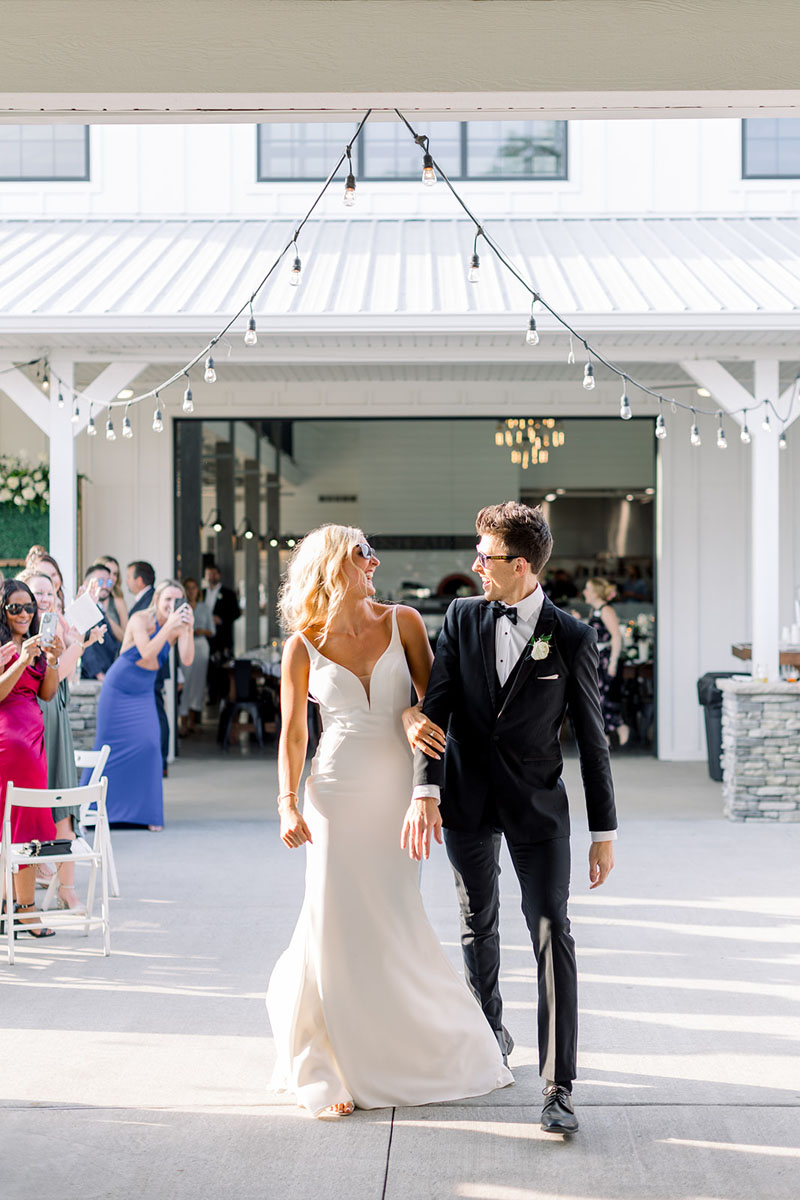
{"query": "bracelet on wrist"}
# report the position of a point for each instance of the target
(287, 796)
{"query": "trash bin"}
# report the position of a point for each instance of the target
(709, 695)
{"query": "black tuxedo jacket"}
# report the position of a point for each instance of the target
(228, 610)
(143, 601)
(503, 759)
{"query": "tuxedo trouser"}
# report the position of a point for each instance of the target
(543, 870)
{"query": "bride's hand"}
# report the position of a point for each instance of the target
(294, 831)
(422, 733)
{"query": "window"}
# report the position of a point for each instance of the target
(386, 150)
(771, 148)
(38, 152)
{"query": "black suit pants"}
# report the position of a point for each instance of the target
(542, 869)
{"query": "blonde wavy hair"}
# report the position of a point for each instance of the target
(315, 585)
(603, 587)
(162, 587)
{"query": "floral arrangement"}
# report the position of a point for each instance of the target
(26, 487)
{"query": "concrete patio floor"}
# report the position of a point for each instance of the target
(147, 1073)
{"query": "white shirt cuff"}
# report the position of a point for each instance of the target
(610, 835)
(427, 791)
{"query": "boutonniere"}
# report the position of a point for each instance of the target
(540, 647)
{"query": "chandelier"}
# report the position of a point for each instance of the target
(530, 439)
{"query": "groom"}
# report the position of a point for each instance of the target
(507, 668)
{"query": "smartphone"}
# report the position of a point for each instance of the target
(48, 627)
(179, 603)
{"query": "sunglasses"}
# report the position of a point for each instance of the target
(484, 558)
(14, 610)
(365, 550)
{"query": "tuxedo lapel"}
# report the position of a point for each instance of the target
(529, 668)
(486, 628)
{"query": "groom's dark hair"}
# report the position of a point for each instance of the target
(523, 531)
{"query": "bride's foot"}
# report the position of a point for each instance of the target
(338, 1110)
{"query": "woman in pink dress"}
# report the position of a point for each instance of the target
(28, 673)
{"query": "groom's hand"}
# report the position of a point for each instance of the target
(422, 819)
(601, 863)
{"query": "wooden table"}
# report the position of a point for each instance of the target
(744, 650)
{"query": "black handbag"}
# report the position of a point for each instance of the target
(37, 849)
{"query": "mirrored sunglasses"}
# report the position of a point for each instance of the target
(365, 550)
(14, 610)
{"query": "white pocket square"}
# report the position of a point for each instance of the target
(544, 678)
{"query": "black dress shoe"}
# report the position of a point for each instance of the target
(558, 1115)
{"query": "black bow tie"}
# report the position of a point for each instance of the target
(500, 610)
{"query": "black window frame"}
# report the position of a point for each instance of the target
(745, 173)
(362, 174)
(86, 178)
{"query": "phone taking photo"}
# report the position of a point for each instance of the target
(48, 627)
(179, 602)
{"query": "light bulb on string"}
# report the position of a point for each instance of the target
(428, 170)
(45, 384)
(624, 403)
(350, 182)
(91, 428)
(474, 272)
(210, 375)
(76, 413)
(661, 427)
(745, 436)
(127, 428)
(251, 337)
(782, 439)
(294, 276)
(188, 399)
(532, 336)
(588, 377)
(60, 399)
(722, 441)
(694, 436)
(765, 425)
(110, 433)
(158, 418)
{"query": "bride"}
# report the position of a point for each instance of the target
(365, 1008)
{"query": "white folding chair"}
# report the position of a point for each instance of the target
(13, 856)
(96, 759)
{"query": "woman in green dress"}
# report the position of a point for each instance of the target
(58, 744)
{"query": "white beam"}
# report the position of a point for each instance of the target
(63, 478)
(105, 387)
(765, 530)
(26, 395)
(727, 391)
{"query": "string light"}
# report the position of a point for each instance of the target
(624, 403)
(661, 427)
(588, 377)
(350, 183)
(110, 434)
(60, 398)
(782, 439)
(294, 277)
(722, 441)
(765, 425)
(745, 436)
(158, 418)
(428, 169)
(251, 337)
(694, 436)
(532, 336)
(210, 375)
(76, 413)
(188, 400)
(474, 272)
(91, 428)
(127, 428)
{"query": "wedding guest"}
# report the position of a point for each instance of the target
(126, 712)
(40, 560)
(140, 580)
(598, 594)
(194, 676)
(29, 674)
(117, 608)
(97, 658)
(58, 743)
(225, 610)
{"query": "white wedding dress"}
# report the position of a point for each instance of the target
(364, 1005)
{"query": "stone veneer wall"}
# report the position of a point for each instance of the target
(760, 750)
(83, 712)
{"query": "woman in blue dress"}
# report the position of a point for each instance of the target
(127, 719)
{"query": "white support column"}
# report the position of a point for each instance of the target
(63, 477)
(765, 528)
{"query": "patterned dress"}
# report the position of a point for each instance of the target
(609, 687)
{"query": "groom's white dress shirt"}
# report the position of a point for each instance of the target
(510, 641)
